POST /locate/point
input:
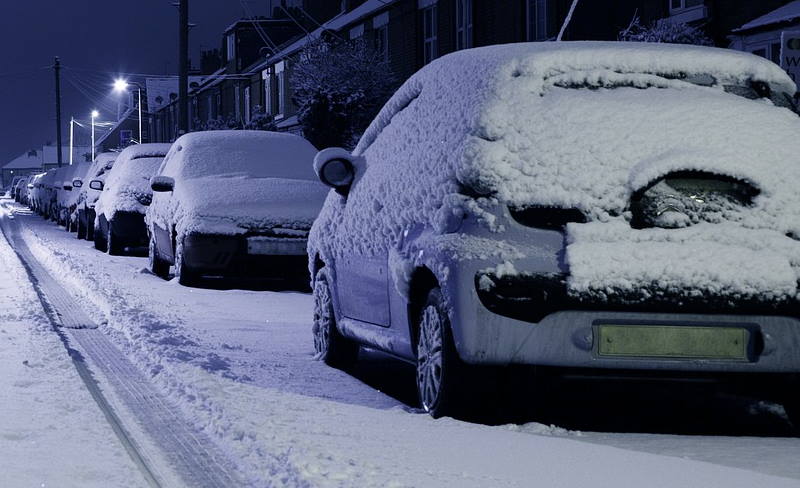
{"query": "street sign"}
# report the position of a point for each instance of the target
(790, 54)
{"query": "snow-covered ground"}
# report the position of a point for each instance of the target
(51, 431)
(239, 364)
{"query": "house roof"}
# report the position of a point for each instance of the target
(787, 13)
(365, 9)
(27, 160)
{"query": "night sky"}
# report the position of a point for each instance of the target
(96, 40)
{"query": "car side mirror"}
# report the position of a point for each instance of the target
(162, 183)
(77, 183)
(68, 187)
(96, 185)
(336, 168)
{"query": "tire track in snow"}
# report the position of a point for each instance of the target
(195, 458)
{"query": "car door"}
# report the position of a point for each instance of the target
(362, 278)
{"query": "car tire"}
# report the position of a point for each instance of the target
(112, 247)
(791, 402)
(441, 376)
(81, 228)
(100, 242)
(186, 276)
(158, 266)
(330, 345)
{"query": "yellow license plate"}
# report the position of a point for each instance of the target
(678, 342)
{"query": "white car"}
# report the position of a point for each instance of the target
(125, 194)
(87, 197)
(234, 205)
(603, 207)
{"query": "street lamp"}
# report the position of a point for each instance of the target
(95, 114)
(121, 85)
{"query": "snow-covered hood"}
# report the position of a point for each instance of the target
(239, 204)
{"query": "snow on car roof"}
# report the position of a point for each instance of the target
(502, 120)
(257, 154)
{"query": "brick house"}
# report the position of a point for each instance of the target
(411, 33)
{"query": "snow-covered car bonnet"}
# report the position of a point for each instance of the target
(230, 182)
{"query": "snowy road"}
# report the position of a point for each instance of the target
(238, 365)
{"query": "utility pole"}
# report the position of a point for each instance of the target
(57, 68)
(183, 68)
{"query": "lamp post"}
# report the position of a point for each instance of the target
(121, 85)
(95, 114)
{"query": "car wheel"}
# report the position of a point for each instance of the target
(158, 266)
(329, 344)
(112, 247)
(81, 228)
(186, 276)
(440, 371)
(100, 242)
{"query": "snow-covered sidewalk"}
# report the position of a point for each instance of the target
(239, 364)
(51, 431)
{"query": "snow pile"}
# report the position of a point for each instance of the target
(232, 182)
(575, 125)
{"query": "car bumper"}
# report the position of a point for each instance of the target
(246, 257)
(569, 334)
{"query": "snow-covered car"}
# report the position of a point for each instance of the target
(10, 190)
(87, 196)
(17, 190)
(34, 191)
(125, 194)
(596, 206)
(70, 203)
(45, 196)
(234, 204)
(63, 191)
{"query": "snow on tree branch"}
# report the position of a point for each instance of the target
(339, 87)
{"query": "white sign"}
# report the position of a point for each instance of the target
(790, 54)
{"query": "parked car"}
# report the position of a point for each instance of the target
(34, 191)
(234, 204)
(10, 190)
(70, 203)
(18, 190)
(45, 193)
(125, 195)
(595, 206)
(87, 196)
(62, 189)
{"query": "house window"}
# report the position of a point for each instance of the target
(218, 106)
(430, 41)
(684, 4)
(537, 20)
(231, 43)
(357, 31)
(775, 52)
(247, 108)
(237, 100)
(210, 109)
(463, 24)
(282, 91)
(269, 91)
(380, 26)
